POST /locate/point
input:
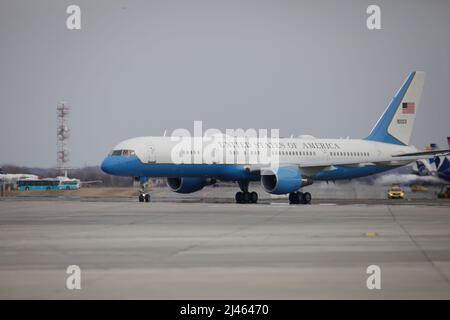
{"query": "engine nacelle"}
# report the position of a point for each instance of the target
(188, 184)
(284, 180)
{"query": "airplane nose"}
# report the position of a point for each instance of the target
(119, 165)
(107, 165)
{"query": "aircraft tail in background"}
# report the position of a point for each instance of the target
(436, 166)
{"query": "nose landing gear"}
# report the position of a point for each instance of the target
(144, 196)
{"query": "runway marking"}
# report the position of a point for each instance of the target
(371, 234)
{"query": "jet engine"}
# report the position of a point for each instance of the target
(188, 184)
(284, 180)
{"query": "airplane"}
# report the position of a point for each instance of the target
(300, 161)
(425, 168)
(10, 178)
(436, 166)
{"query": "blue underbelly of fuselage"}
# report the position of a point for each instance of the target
(132, 166)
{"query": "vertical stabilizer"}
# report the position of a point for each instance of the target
(396, 124)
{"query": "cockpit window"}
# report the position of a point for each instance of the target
(125, 153)
(128, 153)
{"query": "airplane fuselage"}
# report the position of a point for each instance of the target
(154, 157)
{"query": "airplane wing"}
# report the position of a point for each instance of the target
(425, 154)
(393, 160)
(312, 166)
(91, 182)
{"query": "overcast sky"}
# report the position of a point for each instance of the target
(139, 67)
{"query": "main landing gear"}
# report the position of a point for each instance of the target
(245, 196)
(300, 197)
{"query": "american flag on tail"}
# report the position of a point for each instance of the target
(408, 107)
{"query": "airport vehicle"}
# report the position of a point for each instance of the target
(68, 184)
(418, 188)
(445, 193)
(37, 184)
(59, 183)
(395, 192)
(191, 163)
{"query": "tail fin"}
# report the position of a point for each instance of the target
(431, 147)
(396, 124)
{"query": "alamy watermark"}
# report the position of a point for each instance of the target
(234, 146)
(73, 21)
(374, 280)
(373, 21)
(73, 281)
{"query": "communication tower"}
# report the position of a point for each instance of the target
(62, 135)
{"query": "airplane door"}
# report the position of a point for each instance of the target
(151, 154)
(325, 155)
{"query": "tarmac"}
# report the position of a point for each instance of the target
(179, 250)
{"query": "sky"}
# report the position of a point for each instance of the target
(138, 68)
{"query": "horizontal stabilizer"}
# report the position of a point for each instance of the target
(430, 153)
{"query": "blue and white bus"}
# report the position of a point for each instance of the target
(48, 184)
(37, 184)
(69, 184)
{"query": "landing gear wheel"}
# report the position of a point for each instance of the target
(307, 198)
(253, 197)
(299, 198)
(246, 197)
(147, 197)
(239, 197)
(295, 197)
(141, 198)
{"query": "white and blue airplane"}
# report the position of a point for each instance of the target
(436, 166)
(301, 161)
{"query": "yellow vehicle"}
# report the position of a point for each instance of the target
(445, 193)
(418, 188)
(395, 192)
